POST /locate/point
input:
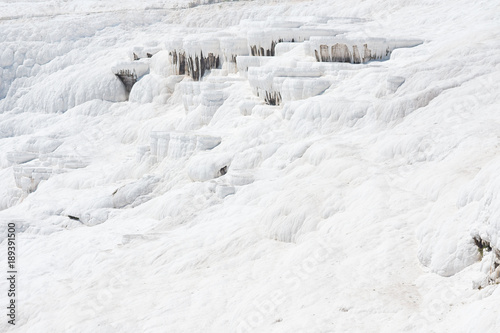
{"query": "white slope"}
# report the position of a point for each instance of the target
(350, 207)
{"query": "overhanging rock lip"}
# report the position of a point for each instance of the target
(130, 71)
(139, 67)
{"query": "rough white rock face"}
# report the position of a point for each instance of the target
(151, 88)
(263, 41)
(161, 64)
(293, 89)
(231, 48)
(159, 144)
(204, 98)
(72, 89)
(261, 166)
(140, 52)
(280, 84)
(206, 167)
(177, 145)
(129, 72)
(393, 83)
(28, 178)
(20, 157)
(245, 62)
(138, 67)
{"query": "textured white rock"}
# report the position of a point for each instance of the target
(161, 64)
(284, 47)
(207, 142)
(240, 178)
(231, 48)
(28, 178)
(194, 45)
(208, 94)
(143, 52)
(293, 89)
(204, 167)
(349, 202)
(394, 82)
(20, 157)
(263, 41)
(245, 62)
(223, 191)
(210, 101)
(271, 83)
(180, 144)
(149, 88)
(159, 143)
(7, 57)
(130, 193)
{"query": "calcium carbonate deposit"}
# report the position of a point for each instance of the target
(250, 166)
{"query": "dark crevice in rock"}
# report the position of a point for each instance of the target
(182, 64)
(272, 98)
(261, 52)
(198, 66)
(179, 62)
(482, 244)
(325, 55)
(340, 53)
(494, 274)
(128, 78)
(316, 54)
(223, 171)
(356, 59)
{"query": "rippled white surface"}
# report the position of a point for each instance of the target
(350, 207)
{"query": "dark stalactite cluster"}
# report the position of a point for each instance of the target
(179, 61)
(128, 78)
(196, 66)
(272, 98)
(341, 53)
(261, 52)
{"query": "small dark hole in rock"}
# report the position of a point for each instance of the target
(482, 244)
